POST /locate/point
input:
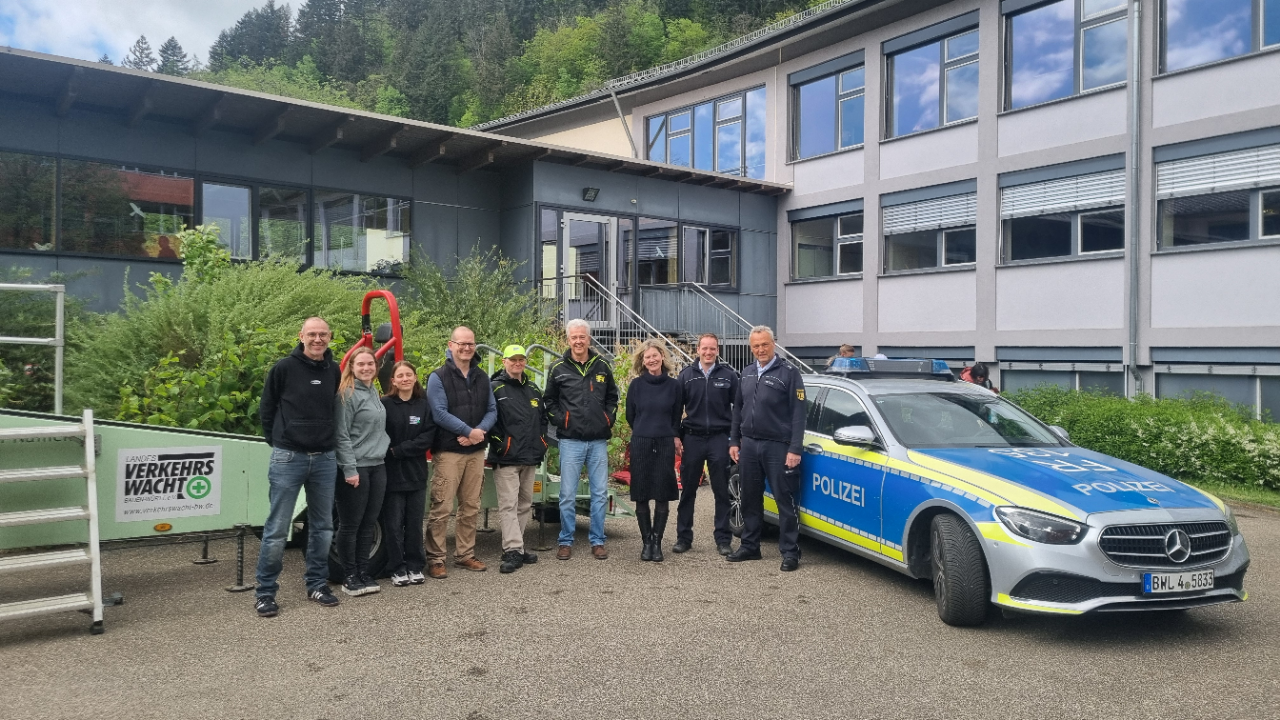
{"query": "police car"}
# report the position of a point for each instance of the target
(946, 480)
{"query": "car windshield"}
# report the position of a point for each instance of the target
(941, 419)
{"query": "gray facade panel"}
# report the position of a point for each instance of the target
(1023, 379)
(28, 127)
(934, 353)
(1060, 354)
(235, 155)
(562, 185)
(517, 186)
(756, 272)
(701, 204)
(657, 198)
(480, 189)
(516, 242)
(1219, 144)
(821, 211)
(102, 282)
(932, 192)
(758, 212)
(478, 231)
(342, 170)
(1235, 388)
(435, 233)
(1064, 170)
(102, 136)
(1240, 355)
(435, 184)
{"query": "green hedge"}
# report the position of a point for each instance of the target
(1194, 439)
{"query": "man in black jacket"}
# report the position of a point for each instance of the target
(517, 444)
(582, 404)
(297, 419)
(765, 441)
(708, 388)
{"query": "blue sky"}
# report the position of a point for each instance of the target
(86, 29)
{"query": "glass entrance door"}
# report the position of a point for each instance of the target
(586, 251)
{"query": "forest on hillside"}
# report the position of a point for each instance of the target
(456, 62)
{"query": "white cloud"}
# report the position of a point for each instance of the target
(86, 29)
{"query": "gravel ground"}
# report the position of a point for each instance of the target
(693, 637)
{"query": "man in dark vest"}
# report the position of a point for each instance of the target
(463, 407)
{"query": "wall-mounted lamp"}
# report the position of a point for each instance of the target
(589, 194)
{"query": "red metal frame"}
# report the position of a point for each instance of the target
(366, 328)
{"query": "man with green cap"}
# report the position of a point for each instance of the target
(517, 443)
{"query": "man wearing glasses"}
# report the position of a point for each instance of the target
(297, 419)
(463, 407)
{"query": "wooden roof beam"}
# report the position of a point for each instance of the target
(382, 145)
(435, 150)
(210, 117)
(143, 105)
(69, 91)
(481, 158)
(330, 135)
(272, 126)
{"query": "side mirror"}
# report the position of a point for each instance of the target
(859, 435)
(1061, 432)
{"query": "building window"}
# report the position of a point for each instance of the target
(228, 207)
(826, 247)
(282, 224)
(1066, 48)
(657, 250)
(724, 135)
(1102, 382)
(1242, 203)
(933, 85)
(360, 233)
(930, 233)
(1063, 217)
(1202, 31)
(709, 256)
(28, 188)
(830, 113)
(115, 210)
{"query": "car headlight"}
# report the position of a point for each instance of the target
(1040, 527)
(1231, 520)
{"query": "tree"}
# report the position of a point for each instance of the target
(260, 35)
(173, 60)
(105, 59)
(140, 56)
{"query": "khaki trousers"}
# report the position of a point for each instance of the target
(514, 484)
(459, 475)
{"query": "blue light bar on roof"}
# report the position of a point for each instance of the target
(890, 367)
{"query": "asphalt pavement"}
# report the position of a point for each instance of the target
(692, 637)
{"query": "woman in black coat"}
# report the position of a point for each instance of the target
(411, 429)
(653, 411)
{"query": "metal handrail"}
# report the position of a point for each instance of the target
(635, 317)
(57, 342)
(745, 325)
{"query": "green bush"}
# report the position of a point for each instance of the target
(29, 382)
(1202, 438)
(6, 384)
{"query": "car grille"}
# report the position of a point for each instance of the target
(1144, 545)
(1070, 589)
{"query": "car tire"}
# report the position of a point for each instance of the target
(959, 571)
(735, 501)
(377, 554)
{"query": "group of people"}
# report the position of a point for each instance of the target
(333, 436)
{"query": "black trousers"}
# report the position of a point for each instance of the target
(402, 516)
(358, 509)
(713, 451)
(758, 460)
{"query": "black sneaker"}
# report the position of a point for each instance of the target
(370, 585)
(323, 597)
(529, 558)
(353, 586)
(512, 560)
(266, 606)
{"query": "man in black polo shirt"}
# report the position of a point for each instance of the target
(708, 388)
(765, 441)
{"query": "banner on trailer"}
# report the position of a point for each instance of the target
(154, 483)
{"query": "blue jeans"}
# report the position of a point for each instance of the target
(574, 454)
(290, 472)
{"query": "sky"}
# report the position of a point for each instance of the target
(86, 29)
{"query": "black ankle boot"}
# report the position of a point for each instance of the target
(646, 536)
(658, 528)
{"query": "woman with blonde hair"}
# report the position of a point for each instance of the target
(653, 411)
(361, 431)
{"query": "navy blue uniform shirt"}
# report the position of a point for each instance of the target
(770, 406)
(708, 397)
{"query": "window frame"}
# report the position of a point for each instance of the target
(1082, 24)
(837, 241)
(664, 129)
(940, 249)
(797, 119)
(1077, 217)
(1256, 208)
(944, 66)
(1257, 29)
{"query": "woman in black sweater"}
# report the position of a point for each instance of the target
(653, 412)
(411, 429)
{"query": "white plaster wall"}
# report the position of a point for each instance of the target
(1088, 117)
(930, 151)
(932, 302)
(1210, 289)
(1247, 84)
(606, 136)
(841, 170)
(1084, 295)
(824, 307)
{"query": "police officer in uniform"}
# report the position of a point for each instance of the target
(707, 388)
(765, 441)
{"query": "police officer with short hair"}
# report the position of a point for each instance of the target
(765, 441)
(707, 388)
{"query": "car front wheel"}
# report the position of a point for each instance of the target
(960, 585)
(735, 501)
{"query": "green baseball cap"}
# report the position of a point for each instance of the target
(511, 351)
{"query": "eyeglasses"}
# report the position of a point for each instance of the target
(317, 336)
(462, 345)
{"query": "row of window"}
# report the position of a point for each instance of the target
(78, 206)
(1053, 50)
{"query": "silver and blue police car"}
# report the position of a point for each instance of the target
(942, 479)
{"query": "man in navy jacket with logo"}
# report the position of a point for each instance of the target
(765, 441)
(708, 388)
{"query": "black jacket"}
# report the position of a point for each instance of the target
(297, 403)
(708, 400)
(411, 429)
(770, 407)
(582, 400)
(520, 435)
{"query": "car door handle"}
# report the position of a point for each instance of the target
(814, 448)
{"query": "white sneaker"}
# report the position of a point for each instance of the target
(400, 579)
(416, 578)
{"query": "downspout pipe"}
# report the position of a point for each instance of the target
(1135, 192)
(626, 126)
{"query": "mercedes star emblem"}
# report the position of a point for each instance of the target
(1177, 545)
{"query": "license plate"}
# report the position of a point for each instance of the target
(537, 486)
(1158, 583)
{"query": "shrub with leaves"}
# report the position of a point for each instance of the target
(6, 387)
(30, 381)
(1199, 438)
